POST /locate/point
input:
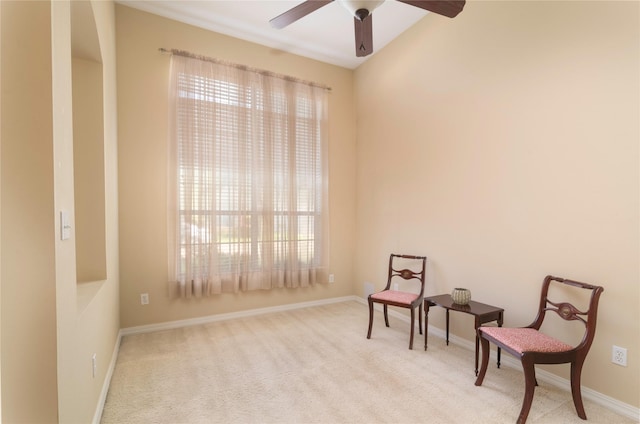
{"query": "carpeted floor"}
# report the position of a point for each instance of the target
(315, 365)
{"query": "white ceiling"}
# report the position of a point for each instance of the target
(326, 34)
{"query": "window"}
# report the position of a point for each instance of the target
(249, 174)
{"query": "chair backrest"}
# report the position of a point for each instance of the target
(568, 311)
(417, 273)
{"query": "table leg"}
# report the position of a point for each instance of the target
(426, 323)
(447, 327)
(499, 325)
(477, 343)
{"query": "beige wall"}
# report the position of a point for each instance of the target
(50, 325)
(504, 145)
(28, 357)
(143, 75)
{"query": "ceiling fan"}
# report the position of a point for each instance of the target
(362, 19)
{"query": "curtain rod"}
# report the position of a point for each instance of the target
(184, 53)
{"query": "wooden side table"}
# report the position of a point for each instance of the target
(483, 313)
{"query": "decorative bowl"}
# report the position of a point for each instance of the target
(461, 296)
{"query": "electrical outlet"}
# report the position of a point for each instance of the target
(332, 278)
(144, 299)
(396, 286)
(619, 355)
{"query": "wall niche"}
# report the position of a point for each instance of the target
(88, 145)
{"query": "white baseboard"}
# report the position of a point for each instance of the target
(603, 400)
(107, 381)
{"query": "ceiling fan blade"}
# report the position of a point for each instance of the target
(448, 8)
(295, 13)
(364, 35)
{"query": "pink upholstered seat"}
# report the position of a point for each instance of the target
(526, 339)
(414, 272)
(395, 296)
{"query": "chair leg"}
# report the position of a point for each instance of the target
(370, 318)
(386, 315)
(485, 361)
(530, 386)
(576, 370)
(413, 324)
(420, 320)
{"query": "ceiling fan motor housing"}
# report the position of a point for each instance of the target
(358, 8)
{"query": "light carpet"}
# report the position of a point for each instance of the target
(315, 365)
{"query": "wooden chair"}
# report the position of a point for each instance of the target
(533, 347)
(398, 298)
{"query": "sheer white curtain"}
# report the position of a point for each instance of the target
(247, 179)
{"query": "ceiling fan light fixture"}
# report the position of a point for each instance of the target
(354, 5)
